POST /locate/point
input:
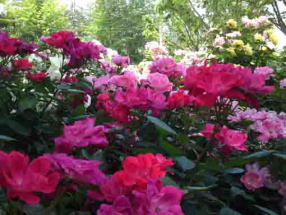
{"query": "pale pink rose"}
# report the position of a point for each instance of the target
(99, 83)
(233, 34)
(159, 82)
(283, 83)
(219, 41)
(266, 71)
(128, 80)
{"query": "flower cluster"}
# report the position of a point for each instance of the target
(137, 188)
(23, 179)
(156, 50)
(243, 41)
(268, 124)
(230, 139)
(13, 46)
(167, 66)
(259, 22)
(80, 170)
(22, 64)
(129, 94)
(209, 82)
(72, 47)
(82, 133)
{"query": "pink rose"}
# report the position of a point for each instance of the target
(255, 178)
(159, 82)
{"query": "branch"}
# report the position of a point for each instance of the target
(198, 14)
(280, 22)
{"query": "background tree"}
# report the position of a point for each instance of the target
(119, 24)
(189, 21)
(185, 23)
(279, 14)
(31, 19)
(78, 19)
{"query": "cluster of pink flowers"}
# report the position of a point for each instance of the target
(72, 47)
(121, 61)
(167, 66)
(266, 71)
(13, 46)
(209, 82)
(23, 179)
(229, 139)
(137, 189)
(125, 92)
(179, 99)
(140, 98)
(156, 50)
(190, 58)
(37, 77)
(22, 64)
(256, 22)
(233, 34)
(82, 133)
(256, 177)
(79, 170)
(268, 124)
(219, 41)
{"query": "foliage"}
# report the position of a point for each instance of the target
(31, 19)
(189, 21)
(115, 19)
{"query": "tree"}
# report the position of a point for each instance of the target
(279, 15)
(119, 24)
(31, 19)
(190, 20)
(185, 24)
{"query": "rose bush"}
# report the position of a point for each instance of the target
(181, 134)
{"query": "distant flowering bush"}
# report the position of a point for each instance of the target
(185, 133)
(245, 42)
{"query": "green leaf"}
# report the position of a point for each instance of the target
(239, 192)
(266, 210)
(75, 91)
(38, 209)
(228, 211)
(234, 170)
(169, 148)
(185, 163)
(6, 138)
(261, 154)
(28, 102)
(196, 188)
(280, 155)
(161, 124)
(64, 86)
(18, 128)
(169, 181)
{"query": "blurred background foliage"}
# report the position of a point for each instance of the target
(127, 25)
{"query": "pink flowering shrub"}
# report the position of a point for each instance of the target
(180, 134)
(23, 179)
(268, 124)
(81, 134)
